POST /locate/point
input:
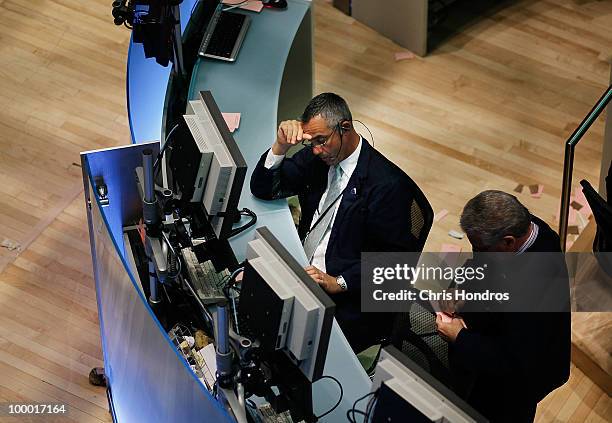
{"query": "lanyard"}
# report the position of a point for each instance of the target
(325, 212)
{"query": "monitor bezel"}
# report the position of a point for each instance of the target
(231, 213)
(321, 296)
(449, 396)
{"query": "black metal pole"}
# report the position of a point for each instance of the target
(568, 163)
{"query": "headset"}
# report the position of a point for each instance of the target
(342, 127)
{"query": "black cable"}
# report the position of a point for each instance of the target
(236, 272)
(163, 285)
(354, 410)
(233, 308)
(163, 149)
(339, 399)
(370, 132)
(174, 253)
(340, 132)
(229, 280)
(244, 212)
(370, 407)
(340, 149)
(232, 277)
(221, 284)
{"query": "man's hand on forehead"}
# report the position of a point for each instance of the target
(291, 132)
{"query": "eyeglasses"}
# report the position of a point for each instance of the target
(319, 141)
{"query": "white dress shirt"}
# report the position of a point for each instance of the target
(348, 166)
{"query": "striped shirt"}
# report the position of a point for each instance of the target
(534, 229)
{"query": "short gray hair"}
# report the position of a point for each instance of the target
(330, 106)
(491, 215)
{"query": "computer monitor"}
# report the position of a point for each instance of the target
(406, 392)
(274, 301)
(207, 166)
(271, 272)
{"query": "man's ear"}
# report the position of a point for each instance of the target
(344, 126)
(509, 242)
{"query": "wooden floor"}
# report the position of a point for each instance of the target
(62, 85)
(489, 108)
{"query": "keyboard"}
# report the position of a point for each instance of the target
(224, 36)
(266, 414)
(206, 281)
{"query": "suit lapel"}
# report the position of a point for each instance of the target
(317, 184)
(353, 189)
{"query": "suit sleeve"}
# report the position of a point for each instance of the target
(515, 350)
(482, 353)
(288, 179)
(389, 227)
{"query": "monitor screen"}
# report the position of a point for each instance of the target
(305, 337)
(395, 409)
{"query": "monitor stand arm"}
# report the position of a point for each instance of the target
(229, 392)
(155, 248)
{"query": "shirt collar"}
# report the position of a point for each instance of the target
(533, 234)
(349, 164)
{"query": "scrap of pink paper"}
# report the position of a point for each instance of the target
(251, 5)
(440, 215)
(572, 218)
(581, 199)
(232, 120)
(538, 194)
(451, 248)
(449, 253)
(404, 55)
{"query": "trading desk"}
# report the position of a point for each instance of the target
(271, 80)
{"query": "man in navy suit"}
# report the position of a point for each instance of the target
(352, 198)
(505, 362)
